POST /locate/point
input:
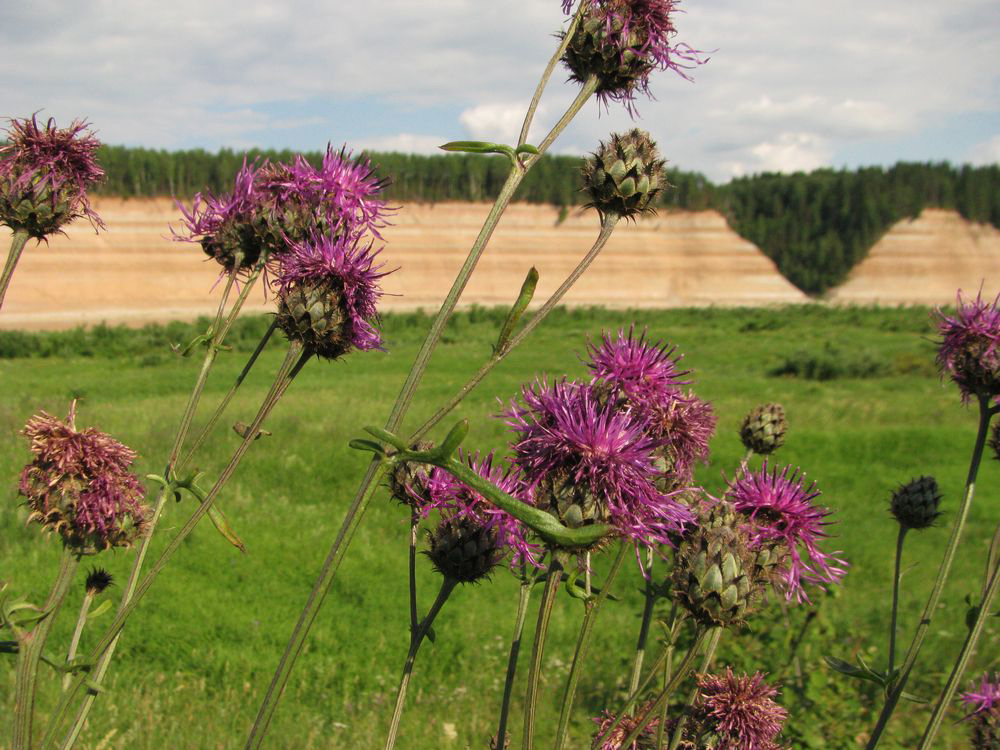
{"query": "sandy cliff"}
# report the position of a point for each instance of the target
(134, 273)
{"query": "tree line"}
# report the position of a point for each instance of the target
(815, 226)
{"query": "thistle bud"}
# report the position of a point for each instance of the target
(915, 504)
(625, 175)
(97, 581)
(600, 48)
(313, 314)
(763, 429)
(714, 571)
(463, 550)
(408, 480)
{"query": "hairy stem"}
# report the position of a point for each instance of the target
(649, 596)
(985, 607)
(524, 594)
(29, 652)
(74, 643)
(416, 638)
(591, 608)
(896, 578)
(538, 648)
(706, 662)
(985, 413)
(17, 243)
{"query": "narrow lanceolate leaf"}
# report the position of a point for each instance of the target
(520, 305)
(386, 437)
(361, 444)
(99, 610)
(223, 527)
(478, 147)
(527, 148)
(454, 438)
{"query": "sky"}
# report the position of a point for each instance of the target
(789, 84)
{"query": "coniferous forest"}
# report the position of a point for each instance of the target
(815, 226)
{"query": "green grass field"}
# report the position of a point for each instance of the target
(867, 411)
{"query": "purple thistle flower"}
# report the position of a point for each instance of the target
(342, 264)
(79, 483)
(227, 226)
(622, 42)
(342, 191)
(457, 500)
(639, 369)
(588, 461)
(45, 173)
(780, 510)
(739, 711)
(647, 376)
(985, 697)
(968, 351)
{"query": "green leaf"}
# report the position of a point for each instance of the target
(478, 147)
(864, 672)
(361, 444)
(454, 438)
(526, 148)
(520, 305)
(222, 526)
(386, 437)
(99, 610)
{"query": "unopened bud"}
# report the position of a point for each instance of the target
(763, 429)
(625, 175)
(915, 504)
(463, 550)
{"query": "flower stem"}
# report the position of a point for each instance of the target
(896, 577)
(220, 328)
(650, 597)
(547, 74)
(581, 98)
(538, 648)
(607, 227)
(294, 361)
(985, 413)
(524, 594)
(666, 674)
(416, 638)
(17, 243)
(412, 569)
(74, 644)
(365, 490)
(676, 678)
(591, 608)
(963, 658)
(706, 662)
(29, 652)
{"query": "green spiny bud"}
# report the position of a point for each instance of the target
(312, 313)
(463, 550)
(915, 504)
(625, 175)
(763, 429)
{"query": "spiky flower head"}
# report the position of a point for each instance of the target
(79, 484)
(644, 376)
(98, 580)
(763, 429)
(464, 550)
(983, 702)
(329, 292)
(456, 500)
(735, 713)
(408, 480)
(968, 351)
(45, 173)
(714, 576)
(625, 175)
(622, 42)
(915, 503)
(340, 196)
(588, 462)
(231, 228)
(646, 740)
(779, 510)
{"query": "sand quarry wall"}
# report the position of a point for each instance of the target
(134, 273)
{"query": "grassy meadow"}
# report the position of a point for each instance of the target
(867, 411)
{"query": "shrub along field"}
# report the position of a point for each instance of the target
(867, 411)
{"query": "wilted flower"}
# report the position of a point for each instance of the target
(779, 510)
(456, 500)
(984, 703)
(735, 713)
(622, 42)
(968, 349)
(625, 175)
(915, 504)
(408, 481)
(45, 173)
(588, 462)
(329, 294)
(646, 740)
(79, 484)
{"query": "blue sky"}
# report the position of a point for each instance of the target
(791, 84)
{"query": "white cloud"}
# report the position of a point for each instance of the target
(405, 143)
(791, 152)
(987, 152)
(501, 122)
